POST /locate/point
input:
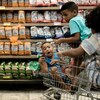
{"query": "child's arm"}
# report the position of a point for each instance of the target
(74, 38)
(43, 65)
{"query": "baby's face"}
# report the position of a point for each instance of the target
(47, 50)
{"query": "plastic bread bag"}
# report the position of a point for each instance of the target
(8, 31)
(9, 16)
(39, 3)
(27, 46)
(21, 16)
(46, 3)
(4, 17)
(26, 3)
(38, 47)
(58, 32)
(28, 17)
(22, 34)
(32, 2)
(15, 31)
(40, 17)
(14, 48)
(14, 3)
(0, 18)
(21, 48)
(34, 15)
(47, 32)
(21, 3)
(40, 34)
(2, 33)
(7, 48)
(47, 16)
(34, 32)
(4, 3)
(1, 47)
(15, 17)
(52, 31)
(54, 16)
(9, 3)
(28, 34)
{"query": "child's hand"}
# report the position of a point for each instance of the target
(53, 62)
(59, 53)
(41, 59)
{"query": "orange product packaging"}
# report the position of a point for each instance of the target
(21, 48)
(4, 17)
(9, 3)
(14, 48)
(22, 34)
(9, 16)
(27, 46)
(8, 31)
(21, 16)
(1, 47)
(28, 17)
(21, 3)
(13, 39)
(4, 3)
(26, 3)
(15, 17)
(7, 48)
(15, 31)
(14, 3)
(28, 35)
(2, 33)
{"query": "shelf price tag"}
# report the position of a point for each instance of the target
(57, 23)
(6, 77)
(6, 24)
(2, 7)
(49, 40)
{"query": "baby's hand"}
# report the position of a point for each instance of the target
(41, 59)
(59, 53)
(53, 62)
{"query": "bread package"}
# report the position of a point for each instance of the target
(21, 16)
(8, 31)
(21, 3)
(28, 34)
(26, 3)
(9, 16)
(14, 3)
(7, 48)
(22, 34)
(27, 46)
(1, 47)
(2, 33)
(15, 31)
(14, 48)
(15, 17)
(4, 3)
(28, 17)
(21, 48)
(4, 17)
(9, 3)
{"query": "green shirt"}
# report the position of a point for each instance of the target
(77, 24)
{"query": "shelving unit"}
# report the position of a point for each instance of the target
(2, 8)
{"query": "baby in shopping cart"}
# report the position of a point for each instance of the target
(50, 63)
(90, 48)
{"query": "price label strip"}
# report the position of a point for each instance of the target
(2, 8)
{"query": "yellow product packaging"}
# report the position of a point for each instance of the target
(14, 48)
(26, 3)
(21, 48)
(27, 46)
(14, 3)
(9, 17)
(1, 47)
(7, 48)
(15, 31)
(21, 3)
(21, 16)
(8, 31)
(2, 33)
(22, 34)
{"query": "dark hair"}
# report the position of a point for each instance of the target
(44, 43)
(93, 19)
(71, 6)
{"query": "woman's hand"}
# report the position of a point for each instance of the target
(59, 41)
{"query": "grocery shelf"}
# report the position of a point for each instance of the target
(18, 56)
(42, 8)
(33, 24)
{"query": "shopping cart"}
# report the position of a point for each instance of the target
(82, 90)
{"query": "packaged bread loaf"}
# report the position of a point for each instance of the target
(2, 33)
(27, 46)
(9, 17)
(21, 3)
(26, 3)
(28, 35)
(4, 17)
(9, 3)
(15, 17)
(21, 16)
(14, 48)
(7, 47)
(0, 18)
(1, 47)
(15, 31)
(21, 48)
(28, 17)
(14, 3)
(4, 3)
(8, 31)
(22, 34)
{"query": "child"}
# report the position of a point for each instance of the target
(78, 29)
(90, 47)
(49, 63)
